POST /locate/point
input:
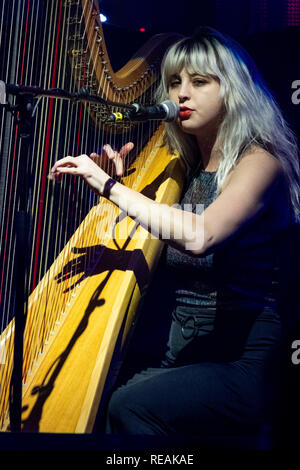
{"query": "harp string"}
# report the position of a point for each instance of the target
(69, 205)
(83, 128)
(45, 159)
(49, 300)
(23, 17)
(32, 332)
(10, 201)
(87, 81)
(49, 202)
(9, 196)
(65, 128)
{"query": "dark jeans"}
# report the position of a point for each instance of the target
(209, 396)
(198, 399)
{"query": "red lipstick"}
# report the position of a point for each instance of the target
(185, 112)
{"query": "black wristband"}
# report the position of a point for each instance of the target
(107, 187)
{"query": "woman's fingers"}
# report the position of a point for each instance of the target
(81, 166)
(114, 156)
(66, 165)
(55, 170)
(126, 149)
(123, 153)
(77, 165)
(94, 155)
(57, 177)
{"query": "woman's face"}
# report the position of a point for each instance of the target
(201, 106)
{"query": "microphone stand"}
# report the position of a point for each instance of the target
(24, 110)
(25, 123)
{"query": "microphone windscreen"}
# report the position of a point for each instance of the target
(172, 110)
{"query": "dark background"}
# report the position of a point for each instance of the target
(270, 31)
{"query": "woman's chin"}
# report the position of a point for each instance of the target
(188, 127)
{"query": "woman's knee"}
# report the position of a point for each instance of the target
(116, 411)
(129, 413)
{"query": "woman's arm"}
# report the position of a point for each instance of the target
(244, 196)
(251, 187)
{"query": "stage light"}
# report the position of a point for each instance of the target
(103, 18)
(142, 30)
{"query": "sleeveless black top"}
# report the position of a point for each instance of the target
(225, 303)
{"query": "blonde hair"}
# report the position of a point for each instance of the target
(252, 116)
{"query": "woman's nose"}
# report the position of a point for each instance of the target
(183, 93)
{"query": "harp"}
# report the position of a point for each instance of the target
(89, 264)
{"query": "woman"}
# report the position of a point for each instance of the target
(220, 368)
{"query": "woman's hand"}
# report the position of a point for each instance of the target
(88, 167)
(170, 224)
(82, 166)
(109, 155)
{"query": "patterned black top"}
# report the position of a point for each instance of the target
(217, 298)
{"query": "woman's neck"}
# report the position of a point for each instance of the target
(210, 155)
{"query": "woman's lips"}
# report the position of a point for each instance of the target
(185, 112)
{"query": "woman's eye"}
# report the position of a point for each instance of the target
(199, 82)
(174, 83)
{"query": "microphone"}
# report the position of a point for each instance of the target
(167, 111)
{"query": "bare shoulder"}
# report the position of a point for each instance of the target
(250, 188)
(257, 168)
(260, 159)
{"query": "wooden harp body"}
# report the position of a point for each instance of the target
(90, 265)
